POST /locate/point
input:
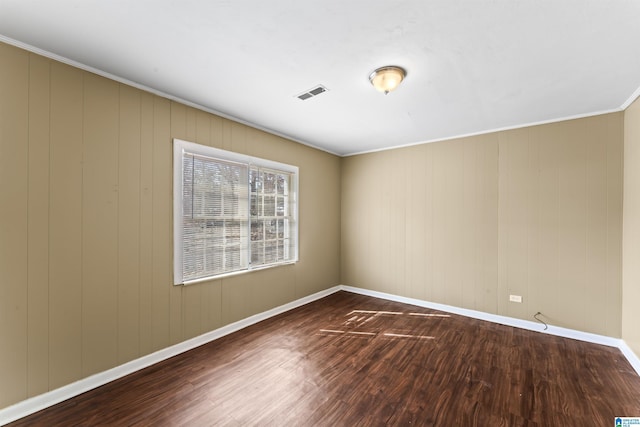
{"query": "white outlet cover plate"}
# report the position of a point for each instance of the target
(515, 298)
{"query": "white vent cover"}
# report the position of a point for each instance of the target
(312, 92)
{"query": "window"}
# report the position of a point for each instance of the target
(232, 213)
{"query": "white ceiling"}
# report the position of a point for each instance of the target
(473, 66)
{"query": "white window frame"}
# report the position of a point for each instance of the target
(180, 147)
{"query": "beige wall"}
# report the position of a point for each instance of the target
(86, 232)
(631, 240)
(535, 212)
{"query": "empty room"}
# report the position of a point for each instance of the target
(324, 213)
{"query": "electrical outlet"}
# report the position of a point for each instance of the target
(515, 298)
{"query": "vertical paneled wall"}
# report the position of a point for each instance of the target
(560, 230)
(422, 222)
(86, 225)
(14, 266)
(535, 212)
(631, 239)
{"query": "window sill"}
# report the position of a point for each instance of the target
(234, 273)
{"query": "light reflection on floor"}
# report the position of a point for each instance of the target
(358, 319)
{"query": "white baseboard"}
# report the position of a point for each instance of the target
(510, 321)
(45, 400)
(633, 358)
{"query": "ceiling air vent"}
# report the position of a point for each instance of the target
(312, 92)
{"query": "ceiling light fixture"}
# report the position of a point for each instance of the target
(386, 79)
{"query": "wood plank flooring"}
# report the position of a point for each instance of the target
(352, 360)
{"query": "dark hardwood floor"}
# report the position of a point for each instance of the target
(352, 360)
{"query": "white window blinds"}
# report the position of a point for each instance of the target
(232, 213)
(214, 217)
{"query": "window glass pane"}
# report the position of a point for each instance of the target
(271, 229)
(269, 182)
(280, 206)
(269, 206)
(255, 181)
(281, 184)
(281, 249)
(257, 253)
(281, 225)
(270, 251)
(257, 230)
(256, 205)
